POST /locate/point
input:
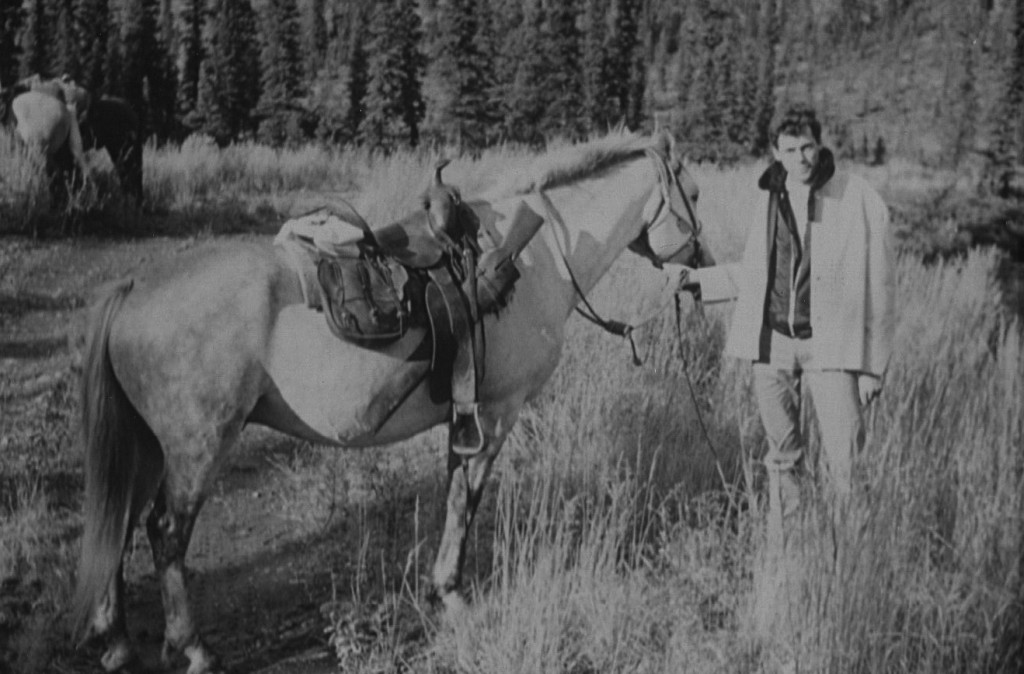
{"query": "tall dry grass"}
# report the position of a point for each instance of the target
(927, 576)
(197, 173)
(625, 537)
(599, 567)
(24, 196)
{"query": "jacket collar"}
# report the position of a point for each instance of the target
(774, 177)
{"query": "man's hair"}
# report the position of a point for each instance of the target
(797, 121)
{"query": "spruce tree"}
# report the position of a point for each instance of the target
(507, 53)
(488, 41)
(189, 58)
(12, 18)
(462, 76)
(394, 101)
(64, 58)
(92, 27)
(314, 38)
(1007, 139)
(161, 76)
(113, 59)
(689, 61)
(562, 75)
(138, 54)
(526, 96)
(412, 66)
(626, 70)
(35, 41)
(727, 88)
(165, 26)
(505, 17)
(594, 66)
(704, 116)
(765, 94)
(967, 95)
(229, 81)
(358, 80)
(281, 75)
(640, 98)
(137, 65)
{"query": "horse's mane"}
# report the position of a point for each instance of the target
(574, 162)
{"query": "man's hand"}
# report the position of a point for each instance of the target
(870, 387)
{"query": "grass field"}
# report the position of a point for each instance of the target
(617, 536)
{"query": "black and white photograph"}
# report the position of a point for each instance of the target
(512, 336)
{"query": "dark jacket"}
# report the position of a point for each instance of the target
(787, 307)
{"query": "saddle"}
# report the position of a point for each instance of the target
(428, 271)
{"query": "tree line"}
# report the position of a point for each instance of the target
(380, 72)
(388, 73)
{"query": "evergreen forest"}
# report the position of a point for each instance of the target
(940, 81)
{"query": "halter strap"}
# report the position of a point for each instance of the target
(666, 180)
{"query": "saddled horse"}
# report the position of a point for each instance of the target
(180, 359)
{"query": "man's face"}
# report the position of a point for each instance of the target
(798, 155)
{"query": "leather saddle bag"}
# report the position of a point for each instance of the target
(370, 300)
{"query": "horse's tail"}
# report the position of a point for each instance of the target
(112, 435)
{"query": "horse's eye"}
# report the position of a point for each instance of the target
(426, 204)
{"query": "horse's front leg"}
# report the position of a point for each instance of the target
(467, 477)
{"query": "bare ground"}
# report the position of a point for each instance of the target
(287, 528)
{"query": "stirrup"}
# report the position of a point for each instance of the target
(465, 435)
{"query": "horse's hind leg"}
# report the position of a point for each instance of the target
(170, 525)
(467, 477)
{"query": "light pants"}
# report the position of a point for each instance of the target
(836, 403)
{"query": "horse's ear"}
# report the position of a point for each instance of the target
(665, 143)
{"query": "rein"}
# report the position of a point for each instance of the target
(617, 328)
(693, 392)
(666, 179)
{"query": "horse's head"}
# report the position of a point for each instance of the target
(672, 229)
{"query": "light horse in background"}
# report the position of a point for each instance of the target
(181, 358)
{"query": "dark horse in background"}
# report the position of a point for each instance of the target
(63, 120)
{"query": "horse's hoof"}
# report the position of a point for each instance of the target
(118, 656)
(455, 604)
(201, 660)
(168, 656)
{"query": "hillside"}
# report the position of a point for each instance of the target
(924, 77)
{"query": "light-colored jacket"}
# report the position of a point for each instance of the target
(852, 280)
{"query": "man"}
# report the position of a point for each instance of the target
(814, 309)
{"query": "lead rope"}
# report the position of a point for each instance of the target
(617, 328)
(693, 392)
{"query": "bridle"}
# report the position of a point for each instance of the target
(673, 200)
(668, 183)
